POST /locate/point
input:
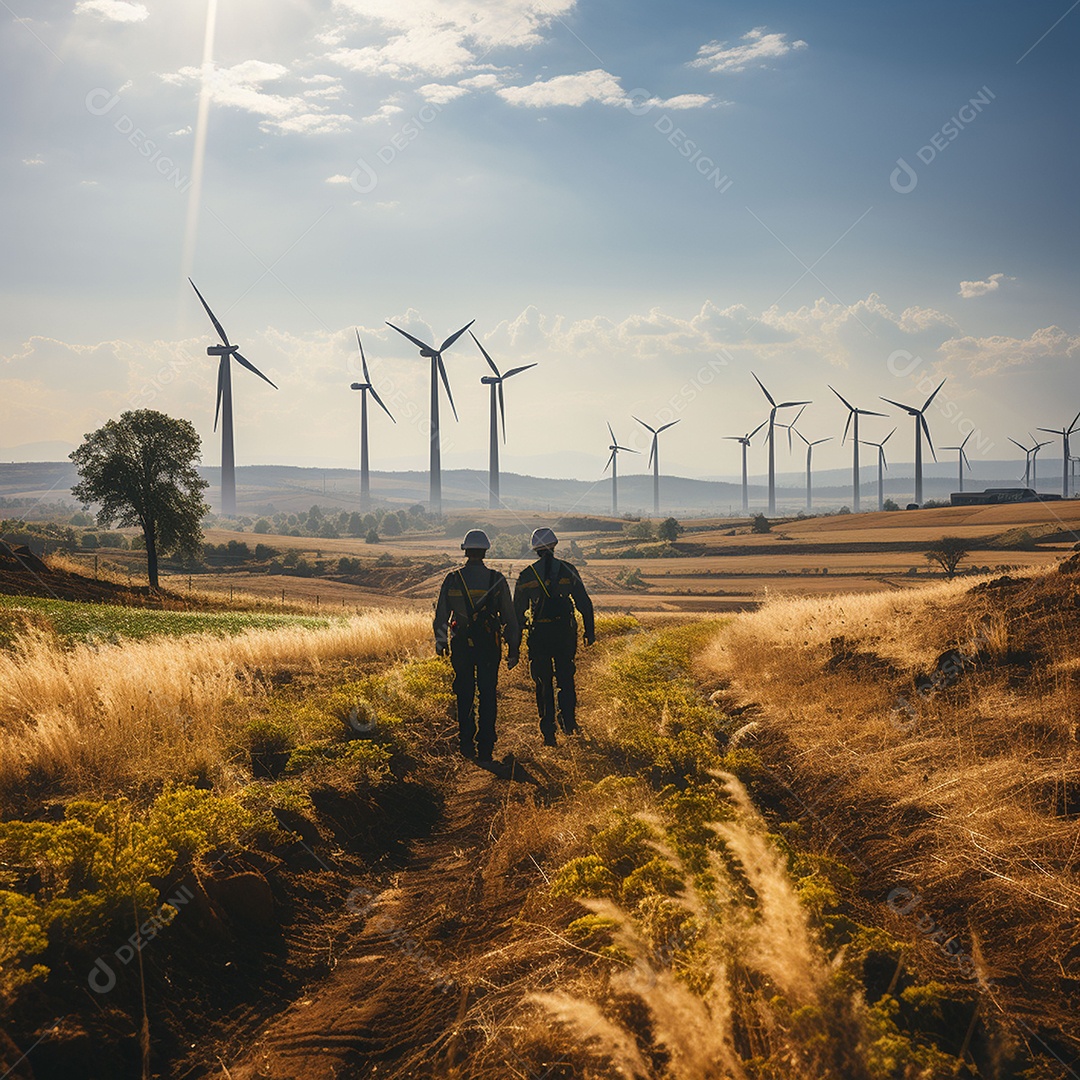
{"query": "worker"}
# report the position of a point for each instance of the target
(547, 592)
(473, 616)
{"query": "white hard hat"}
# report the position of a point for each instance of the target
(543, 538)
(475, 539)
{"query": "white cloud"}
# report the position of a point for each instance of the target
(442, 37)
(597, 85)
(970, 289)
(33, 161)
(241, 87)
(386, 111)
(989, 355)
(719, 56)
(337, 178)
(120, 11)
(440, 94)
(181, 131)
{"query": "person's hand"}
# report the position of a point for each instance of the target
(590, 638)
(512, 660)
(441, 650)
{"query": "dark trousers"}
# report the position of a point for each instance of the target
(476, 668)
(551, 660)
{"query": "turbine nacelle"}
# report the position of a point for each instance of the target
(222, 350)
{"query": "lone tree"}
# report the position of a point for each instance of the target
(669, 530)
(141, 470)
(948, 552)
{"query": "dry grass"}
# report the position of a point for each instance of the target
(117, 718)
(967, 793)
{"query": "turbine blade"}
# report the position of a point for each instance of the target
(1072, 426)
(1050, 430)
(789, 427)
(1024, 448)
(869, 412)
(363, 359)
(666, 426)
(888, 437)
(643, 424)
(611, 433)
(491, 363)
(847, 426)
(518, 370)
(220, 387)
(757, 429)
(414, 340)
(609, 461)
(628, 449)
(842, 398)
(445, 382)
(502, 410)
(764, 391)
(966, 437)
(217, 326)
(375, 395)
(243, 362)
(798, 414)
(932, 396)
(926, 428)
(792, 404)
(453, 337)
(910, 410)
(652, 453)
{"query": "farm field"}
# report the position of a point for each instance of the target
(377, 897)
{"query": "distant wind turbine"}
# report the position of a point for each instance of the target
(365, 387)
(613, 462)
(853, 418)
(438, 370)
(921, 426)
(1064, 433)
(882, 465)
(809, 451)
(772, 447)
(224, 352)
(961, 456)
(654, 461)
(499, 407)
(744, 441)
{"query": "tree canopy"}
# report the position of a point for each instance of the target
(948, 552)
(141, 470)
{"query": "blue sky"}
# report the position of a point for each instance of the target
(648, 202)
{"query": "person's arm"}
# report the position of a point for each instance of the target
(442, 618)
(511, 626)
(583, 603)
(521, 600)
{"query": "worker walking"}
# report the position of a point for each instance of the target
(547, 592)
(473, 615)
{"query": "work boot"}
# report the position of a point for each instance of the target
(570, 729)
(549, 740)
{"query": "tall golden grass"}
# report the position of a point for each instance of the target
(966, 793)
(116, 718)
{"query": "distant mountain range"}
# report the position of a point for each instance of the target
(286, 487)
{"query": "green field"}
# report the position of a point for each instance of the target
(76, 622)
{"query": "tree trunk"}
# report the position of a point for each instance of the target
(151, 557)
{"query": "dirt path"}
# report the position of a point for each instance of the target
(400, 984)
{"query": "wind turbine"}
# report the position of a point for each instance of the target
(962, 457)
(364, 387)
(920, 426)
(224, 352)
(438, 370)
(772, 448)
(809, 451)
(496, 385)
(882, 465)
(1031, 454)
(1064, 433)
(853, 415)
(613, 461)
(744, 441)
(654, 461)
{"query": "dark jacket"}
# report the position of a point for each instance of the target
(550, 579)
(452, 612)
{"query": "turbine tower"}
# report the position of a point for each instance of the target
(744, 441)
(853, 415)
(772, 447)
(613, 461)
(1064, 433)
(438, 370)
(225, 352)
(654, 461)
(882, 465)
(496, 384)
(809, 451)
(919, 416)
(962, 457)
(364, 387)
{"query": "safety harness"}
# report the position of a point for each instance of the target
(481, 620)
